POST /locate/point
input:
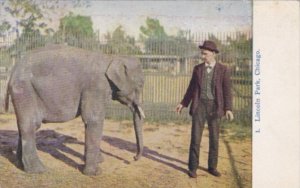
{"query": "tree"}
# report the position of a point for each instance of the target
(27, 14)
(76, 25)
(4, 27)
(182, 44)
(120, 43)
(152, 35)
(234, 49)
(76, 30)
(158, 42)
(34, 15)
(241, 45)
(32, 18)
(152, 29)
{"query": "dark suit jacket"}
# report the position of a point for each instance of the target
(221, 88)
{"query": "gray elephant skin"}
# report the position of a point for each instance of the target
(58, 83)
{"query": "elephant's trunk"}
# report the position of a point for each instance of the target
(138, 116)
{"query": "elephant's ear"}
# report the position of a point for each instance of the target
(118, 76)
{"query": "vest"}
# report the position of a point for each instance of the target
(206, 89)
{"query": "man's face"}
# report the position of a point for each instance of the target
(207, 56)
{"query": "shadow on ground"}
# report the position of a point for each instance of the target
(55, 144)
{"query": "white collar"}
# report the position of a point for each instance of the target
(212, 64)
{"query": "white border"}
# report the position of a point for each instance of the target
(276, 148)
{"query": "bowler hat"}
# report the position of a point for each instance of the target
(209, 45)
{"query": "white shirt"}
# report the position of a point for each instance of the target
(212, 65)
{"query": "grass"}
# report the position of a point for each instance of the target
(164, 88)
(236, 130)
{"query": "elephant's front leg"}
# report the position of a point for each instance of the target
(93, 135)
(92, 112)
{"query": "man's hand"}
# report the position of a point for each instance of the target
(229, 115)
(179, 108)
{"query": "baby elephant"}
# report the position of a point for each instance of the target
(58, 83)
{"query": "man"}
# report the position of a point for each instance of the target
(210, 93)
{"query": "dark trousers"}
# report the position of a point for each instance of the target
(205, 112)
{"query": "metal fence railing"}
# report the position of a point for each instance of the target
(167, 64)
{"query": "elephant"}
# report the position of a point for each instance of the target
(57, 83)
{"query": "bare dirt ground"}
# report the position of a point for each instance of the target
(164, 164)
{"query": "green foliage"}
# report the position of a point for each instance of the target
(4, 27)
(237, 48)
(28, 14)
(152, 29)
(158, 42)
(76, 25)
(236, 130)
(76, 30)
(120, 43)
(241, 46)
(171, 45)
(32, 18)
(34, 15)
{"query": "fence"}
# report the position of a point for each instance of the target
(167, 65)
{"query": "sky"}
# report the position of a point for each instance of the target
(196, 16)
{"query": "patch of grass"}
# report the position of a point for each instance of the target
(236, 130)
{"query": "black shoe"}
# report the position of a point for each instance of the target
(192, 174)
(214, 172)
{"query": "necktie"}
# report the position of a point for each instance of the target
(208, 68)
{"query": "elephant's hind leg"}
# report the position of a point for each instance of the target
(28, 120)
(27, 152)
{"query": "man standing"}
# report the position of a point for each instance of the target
(210, 93)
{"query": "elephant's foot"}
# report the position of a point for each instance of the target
(92, 171)
(35, 167)
(137, 157)
(100, 158)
